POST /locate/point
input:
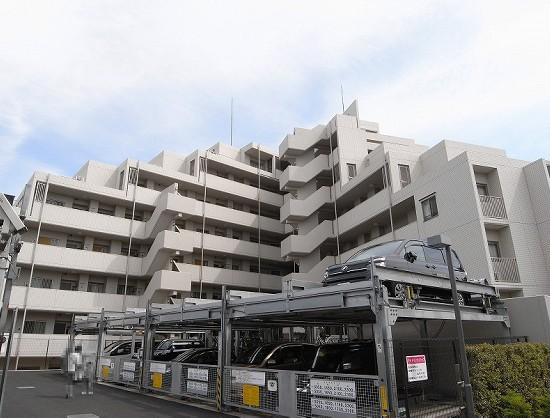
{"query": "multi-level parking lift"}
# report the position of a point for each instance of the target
(291, 393)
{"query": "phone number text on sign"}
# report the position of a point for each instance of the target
(341, 407)
(334, 388)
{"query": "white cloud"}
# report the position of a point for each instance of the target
(134, 77)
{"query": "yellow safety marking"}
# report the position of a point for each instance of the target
(384, 400)
(157, 380)
(251, 395)
(105, 372)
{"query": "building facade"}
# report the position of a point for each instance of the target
(349, 186)
(119, 237)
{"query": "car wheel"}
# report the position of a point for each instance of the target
(461, 299)
(398, 290)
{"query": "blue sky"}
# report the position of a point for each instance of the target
(110, 80)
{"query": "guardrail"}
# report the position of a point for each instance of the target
(493, 207)
(506, 270)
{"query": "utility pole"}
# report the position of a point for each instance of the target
(442, 242)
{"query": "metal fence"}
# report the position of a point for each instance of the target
(256, 389)
(506, 270)
(337, 395)
(493, 207)
(198, 380)
(158, 375)
(429, 378)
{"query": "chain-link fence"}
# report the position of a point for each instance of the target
(256, 389)
(108, 369)
(158, 376)
(130, 372)
(337, 395)
(428, 377)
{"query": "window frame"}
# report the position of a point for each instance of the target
(408, 180)
(428, 201)
(352, 170)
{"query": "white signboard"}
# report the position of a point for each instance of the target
(272, 385)
(321, 406)
(198, 374)
(157, 368)
(105, 362)
(417, 369)
(334, 388)
(128, 376)
(128, 365)
(248, 377)
(199, 388)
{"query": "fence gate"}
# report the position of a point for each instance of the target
(429, 378)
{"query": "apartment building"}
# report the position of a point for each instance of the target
(349, 186)
(118, 237)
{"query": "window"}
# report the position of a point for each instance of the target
(434, 255)
(61, 327)
(429, 207)
(55, 202)
(220, 232)
(132, 175)
(96, 287)
(80, 204)
(253, 268)
(352, 170)
(197, 295)
(130, 290)
(237, 206)
(101, 246)
(221, 202)
(41, 283)
(219, 263)
(254, 163)
(75, 244)
(49, 241)
(197, 262)
(235, 267)
(404, 175)
(68, 285)
(34, 327)
(106, 210)
(494, 249)
(121, 180)
(418, 251)
(482, 189)
(236, 235)
(192, 168)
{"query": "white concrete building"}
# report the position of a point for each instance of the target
(349, 186)
(117, 237)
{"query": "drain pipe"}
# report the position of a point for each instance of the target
(387, 185)
(205, 171)
(333, 189)
(259, 230)
(33, 259)
(131, 235)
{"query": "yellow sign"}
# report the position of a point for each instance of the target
(384, 400)
(105, 372)
(157, 380)
(251, 395)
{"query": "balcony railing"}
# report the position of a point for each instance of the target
(505, 269)
(493, 207)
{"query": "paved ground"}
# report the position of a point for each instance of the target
(41, 394)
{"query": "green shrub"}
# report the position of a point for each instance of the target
(498, 370)
(542, 406)
(515, 406)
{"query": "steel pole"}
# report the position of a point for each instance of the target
(7, 362)
(468, 394)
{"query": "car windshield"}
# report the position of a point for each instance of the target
(164, 345)
(328, 358)
(376, 251)
(261, 354)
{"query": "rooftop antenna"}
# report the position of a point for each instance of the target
(342, 96)
(231, 124)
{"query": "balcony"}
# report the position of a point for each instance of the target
(493, 207)
(505, 270)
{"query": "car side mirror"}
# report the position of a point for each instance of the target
(410, 257)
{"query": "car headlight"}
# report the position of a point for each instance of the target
(380, 261)
(325, 275)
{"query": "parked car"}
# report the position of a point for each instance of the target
(407, 255)
(121, 348)
(169, 349)
(286, 356)
(199, 356)
(358, 357)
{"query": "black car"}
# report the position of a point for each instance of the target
(358, 357)
(406, 255)
(169, 349)
(286, 356)
(121, 348)
(199, 356)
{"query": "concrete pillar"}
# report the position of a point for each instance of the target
(94, 205)
(83, 282)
